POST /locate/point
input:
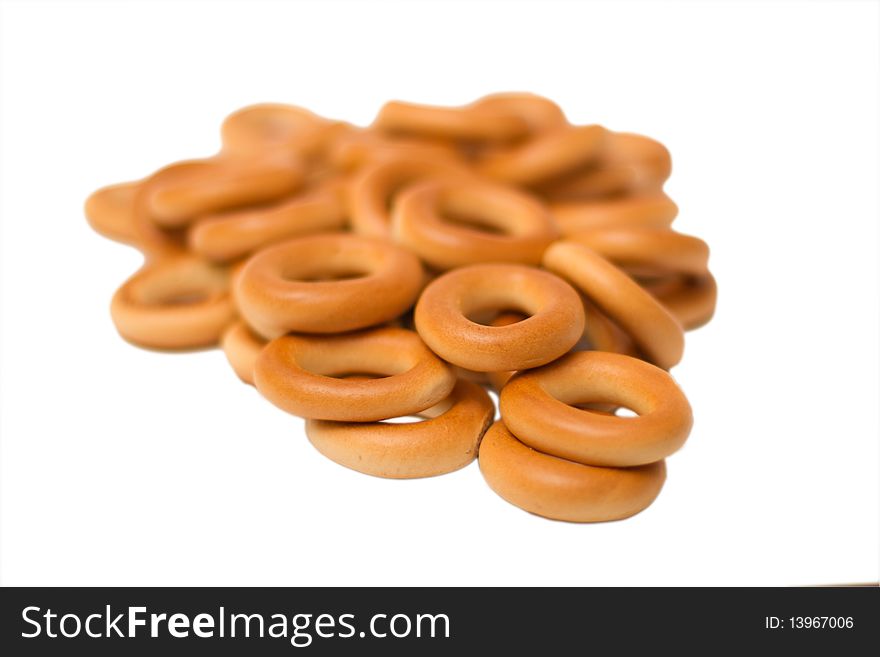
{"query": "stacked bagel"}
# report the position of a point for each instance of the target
(356, 276)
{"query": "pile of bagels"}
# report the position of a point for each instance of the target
(380, 281)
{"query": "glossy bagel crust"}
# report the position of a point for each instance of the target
(175, 303)
(653, 210)
(432, 447)
(655, 331)
(555, 317)
(358, 149)
(241, 347)
(629, 164)
(658, 249)
(540, 114)
(498, 379)
(691, 299)
(183, 191)
(297, 374)
(276, 291)
(467, 123)
(230, 236)
(372, 192)
(110, 212)
(266, 126)
(539, 408)
(555, 488)
(601, 334)
(546, 156)
(420, 222)
(678, 262)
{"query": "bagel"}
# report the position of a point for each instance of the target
(286, 287)
(299, 374)
(540, 408)
(435, 446)
(555, 317)
(554, 488)
(175, 303)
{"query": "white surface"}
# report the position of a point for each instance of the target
(122, 466)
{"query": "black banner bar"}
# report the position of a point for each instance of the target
(420, 621)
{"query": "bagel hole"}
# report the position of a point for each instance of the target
(323, 273)
(607, 408)
(405, 419)
(471, 221)
(496, 402)
(357, 376)
(179, 297)
(185, 298)
(503, 316)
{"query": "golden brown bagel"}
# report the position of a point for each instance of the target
(242, 346)
(272, 127)
(655, 331)
(554, 325)
(629, 164)
(650, 210)
(296, 373)
(691, 299)
(373, 190)
(228, 236)
(358, 149)
(540, 114)
(442, 444)
(110, 212)
(554, 488)
(280, 289)
(176, 303)
(546, 156)
(539, 408)
(470, 123)
(183, 191)
(677, 267)
(421, 221)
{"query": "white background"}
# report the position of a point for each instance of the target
(123, 466)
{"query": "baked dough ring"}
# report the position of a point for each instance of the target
(110, 212)
(678, 262)
(655, 331)
(650, 210)
(266, 127)
(563, 490)
(499, 379)
(554, 325)
(538, 407)
(232, 235)
(372, 192)
(176, 303)
(691, 299)
(276, 291)
(295, 372)
(539, 113)
(181, 192)
(657, 249)
(629, 164)
(470, 123)
(546, 156)
(601, 334)
(361, 148)
(432, 447)
(241, 347)
(420, 221)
